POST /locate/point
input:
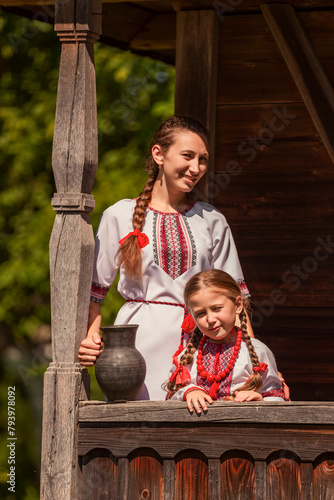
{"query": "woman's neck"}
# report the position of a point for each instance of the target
(165, 201)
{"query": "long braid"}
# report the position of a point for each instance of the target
(191, 348)
(129, 253)
(255, 380)
(186, 359)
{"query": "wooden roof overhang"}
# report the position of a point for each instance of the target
(148, 28)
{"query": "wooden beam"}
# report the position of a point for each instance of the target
(196, 76)
(158, 34)
(264, 412)
(305, 67)
(221, 7)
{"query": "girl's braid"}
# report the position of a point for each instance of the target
(186, 359)
(191, 348)
(255, 380)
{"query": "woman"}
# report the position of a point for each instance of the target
(159, 241)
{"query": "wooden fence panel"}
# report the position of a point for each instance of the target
(191, 476)
(323, 479)
(237, 476)
(145, 476)
(283, 476)
(99, 476)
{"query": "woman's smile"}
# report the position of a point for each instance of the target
(183, 164)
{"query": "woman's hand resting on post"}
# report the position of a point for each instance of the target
(90, 349)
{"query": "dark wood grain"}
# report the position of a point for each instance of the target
(283, 476)
(145, 476)
(196, 74)
(324, 477)
(152, 412)
(237, 476)
(212, 441)
(214, 479)
(169, 479)
(99, 476)
(306, 476)
(123, 478)
(191, 476)
(305, 67)
(260, 480)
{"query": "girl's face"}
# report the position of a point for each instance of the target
(184, 163)
(215, 314)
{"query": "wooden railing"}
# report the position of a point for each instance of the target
(158, 450)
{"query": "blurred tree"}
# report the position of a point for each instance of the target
(134, 95)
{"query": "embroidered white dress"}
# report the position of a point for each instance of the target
(180, 245)
(271, 385)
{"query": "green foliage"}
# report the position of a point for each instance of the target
(134, 95)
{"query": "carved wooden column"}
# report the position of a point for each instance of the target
(78, 25)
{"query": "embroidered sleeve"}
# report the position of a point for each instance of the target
(98, 292)
(272, 386)
(275, 393)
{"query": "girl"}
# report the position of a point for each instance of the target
(159, 241)
(221, 361)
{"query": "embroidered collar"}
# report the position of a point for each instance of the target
(189, 207)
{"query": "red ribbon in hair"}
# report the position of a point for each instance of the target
(181, 373)
(188, 323)
(261, 368)
(141, 237)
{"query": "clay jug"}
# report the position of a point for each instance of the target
(120, 369)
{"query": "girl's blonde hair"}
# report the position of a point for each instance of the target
(214, 278)
(129, 253)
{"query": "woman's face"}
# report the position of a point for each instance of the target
(184, 163)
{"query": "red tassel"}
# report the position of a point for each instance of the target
(181, 373)
(188, 323)
(213, 390)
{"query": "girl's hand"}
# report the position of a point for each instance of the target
(197, 398)
(286, 390)
(90, 349)
(247, 396)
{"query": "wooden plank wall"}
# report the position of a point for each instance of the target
(274, 182)
(159, 450)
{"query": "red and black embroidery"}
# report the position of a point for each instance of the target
(174, 247)
(209, 358)
(98, 292)
(276, 393)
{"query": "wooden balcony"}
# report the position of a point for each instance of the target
(158, 450)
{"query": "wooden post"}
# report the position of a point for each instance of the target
(196, 75)
(78, 25)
